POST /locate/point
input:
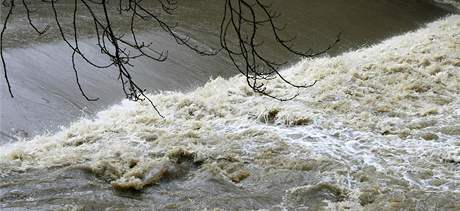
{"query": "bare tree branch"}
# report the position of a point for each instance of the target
(5, 23)
(242, 21)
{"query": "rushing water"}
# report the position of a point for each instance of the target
(43, 80)
(380, 130)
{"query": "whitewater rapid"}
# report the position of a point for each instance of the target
(381, 128)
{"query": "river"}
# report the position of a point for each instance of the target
(43, 80)
(379, 130)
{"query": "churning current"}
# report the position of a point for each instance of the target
(379, 131)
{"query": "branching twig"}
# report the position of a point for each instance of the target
(245, 20)
(242, 18)
(5, 23)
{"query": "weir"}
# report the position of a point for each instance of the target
(380, 129)
(47, 96)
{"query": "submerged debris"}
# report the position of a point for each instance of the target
(315, 197)
(270, 116)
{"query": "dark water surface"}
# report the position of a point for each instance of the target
(46, 94)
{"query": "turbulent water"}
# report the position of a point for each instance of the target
(43, 81)
(380, 130)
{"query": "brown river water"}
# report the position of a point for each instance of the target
(380, 130)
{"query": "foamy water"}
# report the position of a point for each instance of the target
(381, 128)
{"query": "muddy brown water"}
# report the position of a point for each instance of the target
(44, 83)
(47, 98)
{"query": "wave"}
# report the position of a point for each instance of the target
(390, 112)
